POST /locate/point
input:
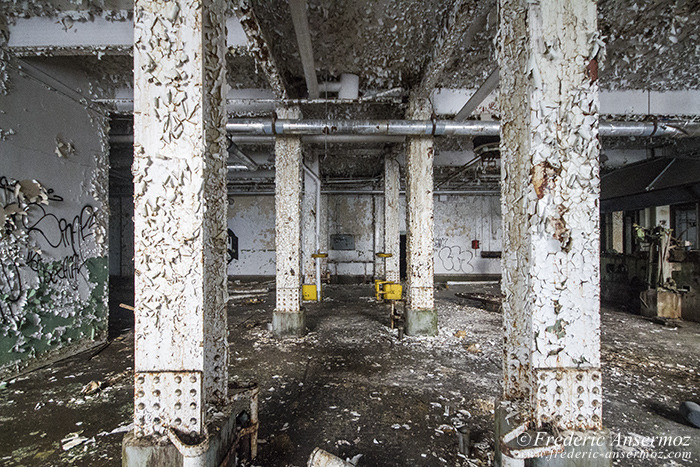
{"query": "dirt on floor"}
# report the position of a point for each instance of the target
(351, 387)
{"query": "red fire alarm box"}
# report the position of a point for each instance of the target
(475, 244)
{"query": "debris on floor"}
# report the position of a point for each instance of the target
(349, 381)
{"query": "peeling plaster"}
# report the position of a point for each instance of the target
(53, 250)
(419, 214)
(550, 191)
(180, 207)
(288, 159)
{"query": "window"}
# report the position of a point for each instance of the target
(685, 224)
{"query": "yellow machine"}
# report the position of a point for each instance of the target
(308, 292)
(312, 292)
(387, 290)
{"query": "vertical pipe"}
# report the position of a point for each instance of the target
(317, 181)
(392, 235)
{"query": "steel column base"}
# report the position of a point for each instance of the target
(570, 449)
(422, 322)
(286, 323)
(158, 450)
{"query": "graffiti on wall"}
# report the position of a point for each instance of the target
(33, 282)
(456, 259)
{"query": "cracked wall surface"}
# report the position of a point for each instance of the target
(180, 210)
(550, 191)
(53, 221)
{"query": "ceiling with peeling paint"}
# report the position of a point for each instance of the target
(652, 45)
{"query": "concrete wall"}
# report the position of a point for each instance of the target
(459, 219)
(53, 245)
(351, 215)
(251, 219)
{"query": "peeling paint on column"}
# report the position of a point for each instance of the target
(392, 236)
(4, 57)
(287, 217)
(419, 214)
(550, 191)
(180, 209)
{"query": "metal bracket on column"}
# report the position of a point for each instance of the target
(168, 399)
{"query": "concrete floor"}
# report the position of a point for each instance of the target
(352, 388)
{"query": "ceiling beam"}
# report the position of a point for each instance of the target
(39, 35)
(478, 97)
(301, 29)
(259, 47)
(459, 28)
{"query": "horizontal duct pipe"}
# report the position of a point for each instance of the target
(404, 128)
(262, 131)
(269, 127)
(375, 192)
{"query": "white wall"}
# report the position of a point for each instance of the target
(252, 220)
(53, 280)
(459, 219)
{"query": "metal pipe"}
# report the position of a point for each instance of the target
(641, 129)
(362, 127)
(376, 192)
(326, 128)
(262, 131)
(317, 181)
(462, 169)
(322, 139)
(247, 161)
(661, 174)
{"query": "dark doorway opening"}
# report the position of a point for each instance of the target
(121, 225)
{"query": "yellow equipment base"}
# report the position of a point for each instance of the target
(308, 292)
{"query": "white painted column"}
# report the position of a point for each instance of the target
(392, 233)
(288, 317)
(308, 221)
(550, 192)
(421, 316)
(180, 214)
(378, 213)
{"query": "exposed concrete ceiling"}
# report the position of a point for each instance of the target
(652, 44)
